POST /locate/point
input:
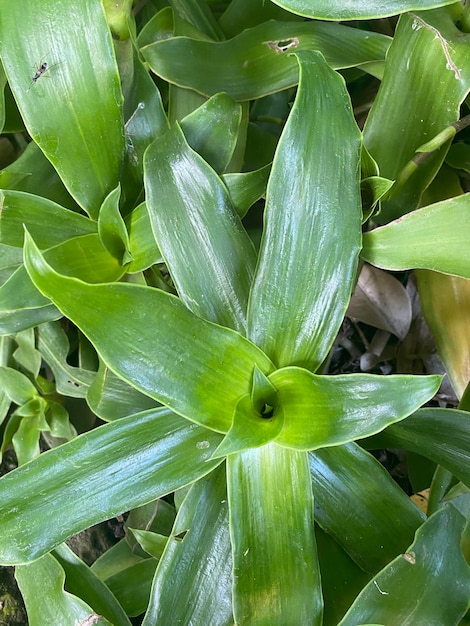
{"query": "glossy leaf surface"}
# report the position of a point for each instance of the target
(341, 578)
(435, 237)
(82, 582)
(425, 585)
(258, 61)
(250, 429)
(54, 348)
(197, 562)
(356, 9)
(131, 585)
(61, 607)
(10, 260)
(164, 345)
(16, 385)
(86, 258)
(276, 575)
(442, 435)
(110, 397)
(242, 14)
(49, 223)
(323, 411)
(246, 188)
(377, 520)
(80, 59)
(143, 247)
(312, 219)
(427, 74)
(212, 130)
(32, 173)
(152, 543)
(22, 306)
(112, 229)
(119, 557)
(143, 111)
(135, 460)
(191, 212)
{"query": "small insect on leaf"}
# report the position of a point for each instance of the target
(41, 69)
(37, 74)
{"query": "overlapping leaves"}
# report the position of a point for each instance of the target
(216, 380)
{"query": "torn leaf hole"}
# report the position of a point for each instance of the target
(180, 536)
(282, 45)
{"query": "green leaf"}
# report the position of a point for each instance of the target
(377, 520)
(146, 119)
(247, 187)
(22, 306)
(111, 398)
(258, 61)
(426, 73)
(81, 581)
(25, 440)
(147, 455)
(49, 223)
(276, 575)
(32, 173)
(324, 411)
(164, 346)
(354, 10)
(153, 543)
(157, 516)
(409, 242)
(199, 16)
(423, 431)
(182, 102)
(112, 229)
(458, 156)
(341, 578)
(83, 138)
(190, 210)
(425, 585)
(143, 247)
(257, 420)
(116, 559)
(242, 14)
(85, 257)
(312, 219)
(197, 563)
(26, 354)
(16, 385)
(212, 130)
(250, 428)
(3, 82)
(263, 393)
(10, 259)
(54, 347)
(131, 585)
(57, 418)
(42, 586)
(374, 188)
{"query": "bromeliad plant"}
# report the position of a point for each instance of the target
(211, 382)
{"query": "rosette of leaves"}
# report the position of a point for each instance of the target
(281, 516)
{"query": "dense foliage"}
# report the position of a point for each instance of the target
(191, 193)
